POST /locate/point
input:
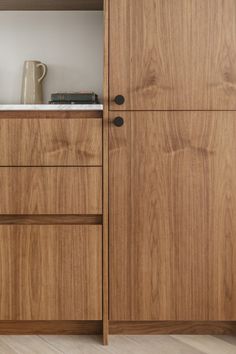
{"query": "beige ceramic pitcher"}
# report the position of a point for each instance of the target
(33, 75)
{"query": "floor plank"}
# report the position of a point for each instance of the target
(27, 345)
(228, 339)
(76, 344)
(208, 344)
(149, 345)
(50, 344)
(4, 348)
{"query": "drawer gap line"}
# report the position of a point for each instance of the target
(50, 219)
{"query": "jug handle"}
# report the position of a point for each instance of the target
(44, 66)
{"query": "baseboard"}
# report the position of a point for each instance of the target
(51, 327)
(172, 327)
(118, 327)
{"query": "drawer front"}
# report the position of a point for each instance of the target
(51, 190)
(51, 272)
(50, 142)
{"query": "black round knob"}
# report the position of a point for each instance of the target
(118, 121)
(119, 100)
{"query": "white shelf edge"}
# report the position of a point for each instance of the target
(51, 107)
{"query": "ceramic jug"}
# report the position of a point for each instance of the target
(33, 75)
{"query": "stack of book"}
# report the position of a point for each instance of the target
(74, 98)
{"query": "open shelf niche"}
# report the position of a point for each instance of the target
(70, 43)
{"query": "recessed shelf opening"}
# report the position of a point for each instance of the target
(57, 33)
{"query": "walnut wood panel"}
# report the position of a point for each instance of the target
(50, 219)
(50, 327)
(50, 272)
(117, 327)
(173, 216)
(173, 54)
(172, 327)
(51, 190)
(50, 114)
(64, 5)
(50, 142)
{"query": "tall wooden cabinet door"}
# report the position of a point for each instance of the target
(173, 216)
(173, 54)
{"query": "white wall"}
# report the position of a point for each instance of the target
(70, 43)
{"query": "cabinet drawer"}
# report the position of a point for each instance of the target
(50, 142)
(51, 190)
(51, 272)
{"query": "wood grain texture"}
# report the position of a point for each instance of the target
(50, 114)
(50, 327)
(172, 197)
(51, 190)
(105, 177)
(172, 327)
(50, 219)
(50, 272)
(64, 5)
(173, 54)
(50, 142)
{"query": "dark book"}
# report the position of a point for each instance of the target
(72, 102)
(75, 97)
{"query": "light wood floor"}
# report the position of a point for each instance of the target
(118, 345)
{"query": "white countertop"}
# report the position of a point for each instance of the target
(51, 107)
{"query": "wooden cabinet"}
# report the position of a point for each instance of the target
(51, 219)
(139, 217)
(50, 272)
(172, 197)
(173, 54)
(172, 164)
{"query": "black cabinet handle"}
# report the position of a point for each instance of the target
(119, 99)
(118, 121)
